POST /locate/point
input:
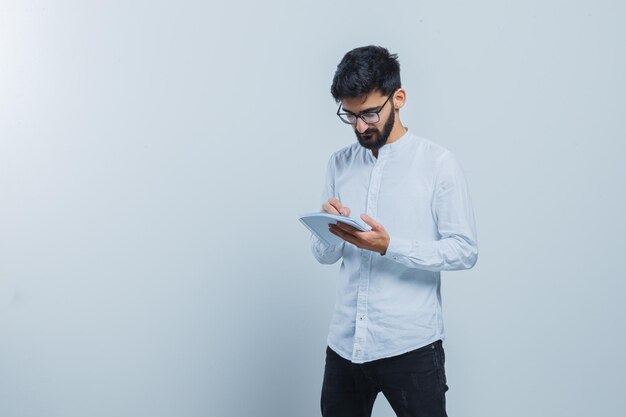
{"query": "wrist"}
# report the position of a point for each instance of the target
(385, 247)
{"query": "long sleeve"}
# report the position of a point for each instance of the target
(327, 254)
(390, 304)
(452, 210)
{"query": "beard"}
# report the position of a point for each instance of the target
(373, 138)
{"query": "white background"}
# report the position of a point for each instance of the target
(154, 157)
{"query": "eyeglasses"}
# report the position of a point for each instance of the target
(369, 117)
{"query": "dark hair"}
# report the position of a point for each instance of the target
(365, 69)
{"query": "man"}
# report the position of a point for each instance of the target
(387, 329)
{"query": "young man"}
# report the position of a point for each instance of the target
(387, 328)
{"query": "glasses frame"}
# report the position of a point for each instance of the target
(360, 115)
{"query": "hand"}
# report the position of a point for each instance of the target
(376, 240)
(334, 206)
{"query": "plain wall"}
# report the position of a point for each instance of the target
(154, 157)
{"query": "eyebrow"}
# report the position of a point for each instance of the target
(362, 111)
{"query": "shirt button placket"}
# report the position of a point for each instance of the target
(364, 276)
(361, 306)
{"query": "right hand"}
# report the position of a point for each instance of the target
(334, 206)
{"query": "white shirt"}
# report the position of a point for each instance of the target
(389, 305)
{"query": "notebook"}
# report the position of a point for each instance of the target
(318, 223)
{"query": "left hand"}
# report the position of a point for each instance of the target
(376, 240)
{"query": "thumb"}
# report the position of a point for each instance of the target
(371, 222)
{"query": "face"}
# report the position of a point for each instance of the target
(372, 136)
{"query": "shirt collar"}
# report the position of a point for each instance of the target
(390, 148)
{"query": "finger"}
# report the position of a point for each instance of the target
(328, 208)
(371, 222)
(343, 234)
(336, 204)
(347, 228)
(344, 211)
(351, 235)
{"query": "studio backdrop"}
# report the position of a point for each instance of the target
(154, 157)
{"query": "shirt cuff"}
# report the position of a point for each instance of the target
(396, 248)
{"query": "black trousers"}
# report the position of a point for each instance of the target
(414, 383)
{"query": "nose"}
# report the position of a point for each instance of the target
(361, 126)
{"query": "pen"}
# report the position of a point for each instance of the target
(339, 198)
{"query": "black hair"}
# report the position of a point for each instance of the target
(365, 69)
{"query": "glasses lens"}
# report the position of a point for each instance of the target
(347, 118)
(370, 117)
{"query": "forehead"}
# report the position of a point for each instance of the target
(357, 104)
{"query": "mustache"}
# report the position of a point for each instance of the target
(368, 132)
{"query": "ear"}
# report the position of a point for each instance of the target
(399, 98)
